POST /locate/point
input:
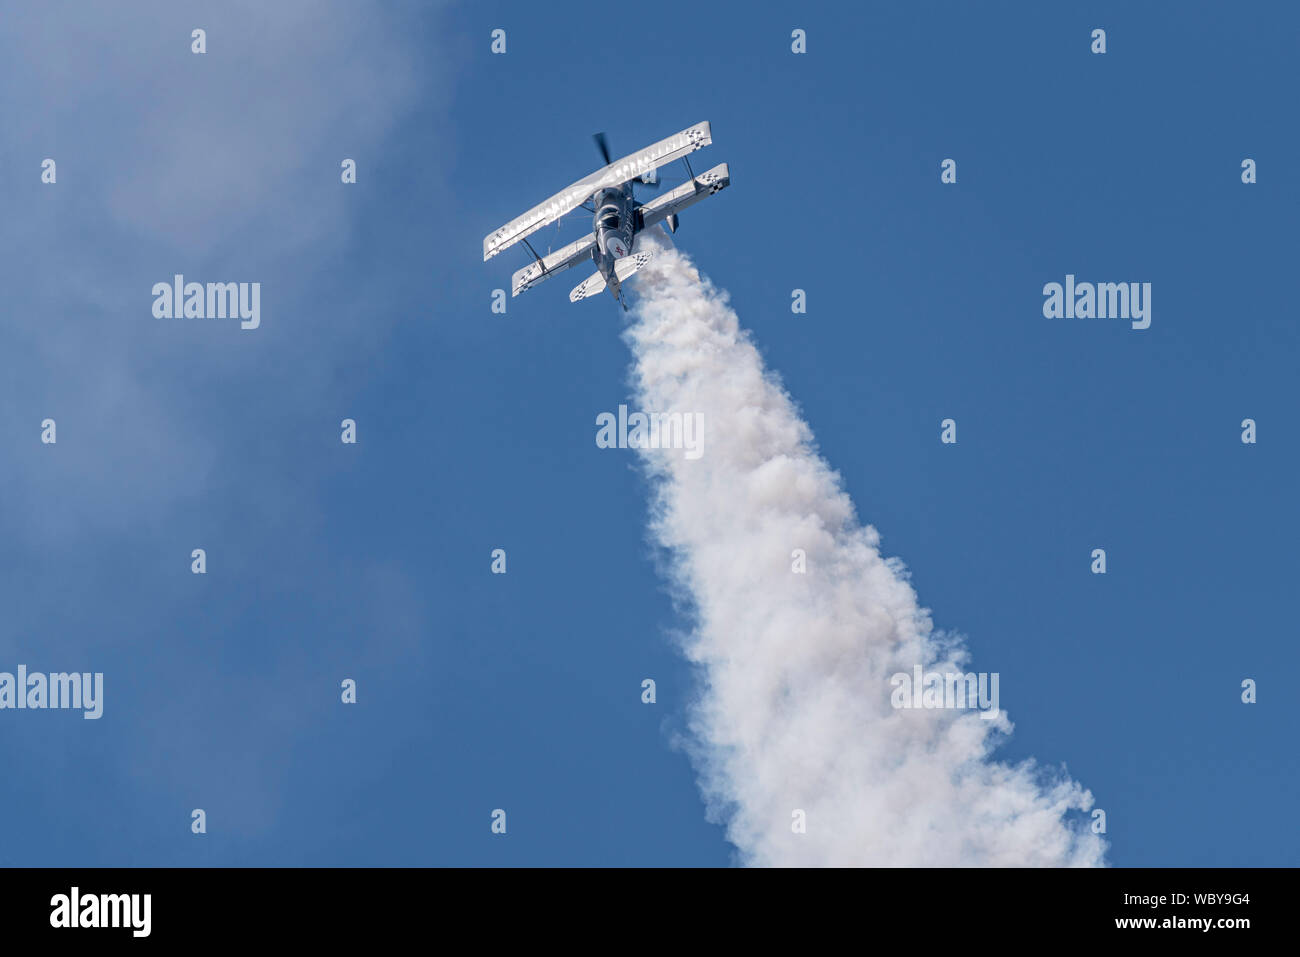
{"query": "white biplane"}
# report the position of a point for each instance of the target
(617, 216)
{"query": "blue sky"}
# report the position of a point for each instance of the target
(476, 430)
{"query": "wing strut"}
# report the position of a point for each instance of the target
(535, 256)
(695, 187)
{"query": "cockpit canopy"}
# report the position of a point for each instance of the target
(607, 218)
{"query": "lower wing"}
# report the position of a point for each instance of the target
(688, 194)
(548, 265)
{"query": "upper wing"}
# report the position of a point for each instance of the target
(559, 261)
(615, 174)
(688, 194)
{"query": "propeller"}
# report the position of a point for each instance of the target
(602, 144)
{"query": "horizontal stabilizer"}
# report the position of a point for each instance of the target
(630, 264)
(593, 285)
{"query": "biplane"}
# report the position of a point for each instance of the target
(617, 216)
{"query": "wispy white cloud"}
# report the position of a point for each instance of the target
(220, 166)
(172, 434)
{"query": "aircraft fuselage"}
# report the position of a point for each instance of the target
(615, 227)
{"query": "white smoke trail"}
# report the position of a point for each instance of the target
(794, 710)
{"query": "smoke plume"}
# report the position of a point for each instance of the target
(794, 707)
